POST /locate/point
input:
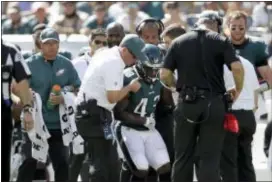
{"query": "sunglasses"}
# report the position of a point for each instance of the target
(234, 28)
(134, 57)
(98, 42)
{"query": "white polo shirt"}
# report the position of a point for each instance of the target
(104, 73)
(81, 64)
(246, 98)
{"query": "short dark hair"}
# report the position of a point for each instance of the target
(173, 31)
(97, 32)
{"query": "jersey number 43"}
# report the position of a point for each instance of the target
(142, 109)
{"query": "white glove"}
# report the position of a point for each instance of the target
(150, 122)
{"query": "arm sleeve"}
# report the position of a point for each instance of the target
(229, 53)
(113, 77)
(169, 59)
(262, 55)
(21, 70)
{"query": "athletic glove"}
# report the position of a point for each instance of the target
(150, 122)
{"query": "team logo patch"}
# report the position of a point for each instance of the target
(60, 72)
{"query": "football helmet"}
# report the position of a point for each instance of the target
(148, 69)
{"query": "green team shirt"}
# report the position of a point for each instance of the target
(145, 100)
(44, 76)
(254, 50)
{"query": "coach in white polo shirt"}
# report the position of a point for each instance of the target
(236, 160)
(102, 87)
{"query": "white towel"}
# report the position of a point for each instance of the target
(39, 134)
(68, 126)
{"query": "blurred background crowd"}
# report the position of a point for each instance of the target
(81, 17)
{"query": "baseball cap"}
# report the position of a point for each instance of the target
(49, 34)
(210, 15)
(135, 45)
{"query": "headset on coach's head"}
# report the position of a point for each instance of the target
(158, 22)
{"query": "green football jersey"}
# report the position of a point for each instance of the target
(145, 100)
(254, 50)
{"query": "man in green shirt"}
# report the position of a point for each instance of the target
(251, 48)
(254, 50)
(49, 68)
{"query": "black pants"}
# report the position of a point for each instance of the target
(236, 161)
(102, 160)
(58, 154)
(165, 126)
(6, 131)
(208, 136)
(101, 154)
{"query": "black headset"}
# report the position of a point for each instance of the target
(158, 22)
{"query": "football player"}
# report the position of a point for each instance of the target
(150, 30)
(140, 145)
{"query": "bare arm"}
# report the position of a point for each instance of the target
(238, 75)
(266, 73)
(23, 92)
(121, 114)
(167, 77)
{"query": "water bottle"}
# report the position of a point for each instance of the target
(55, 91)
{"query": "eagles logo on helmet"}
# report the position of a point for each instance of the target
(148, 69)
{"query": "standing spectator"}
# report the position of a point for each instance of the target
(39, 10)
(49, 68)
(251, 48)
(132, 17)
(200, 111)
(172, 14)
(37, 44)
(98, 20)
(15, 24)
(115, 33)
(70, 21)
(13, 66)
